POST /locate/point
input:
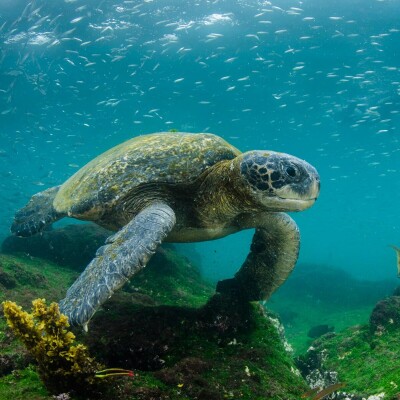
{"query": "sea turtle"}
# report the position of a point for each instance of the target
(178, 187)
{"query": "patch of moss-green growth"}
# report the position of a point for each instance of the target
(225, 349)
(324, 295)
(23, 384)
(366, 362)
(386, 315)
(63, 246)
(170, 279)
(309, 315)
(182, 341)
(32, 278)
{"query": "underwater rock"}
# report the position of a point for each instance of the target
(73, 245)
(223, 349)
(396, 291)
(319, 294)
(311, 367)
(188, 371)
(276, 322)
(183, 341)
(12, 357)
(7, 280)
(13, 361)
(14, 274)
(319, 330)
(364, 357)
(6, 365)
(168, 330)
(386, 315)
(321, 284)
(24, 278)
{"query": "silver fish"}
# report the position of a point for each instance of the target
(397, 250)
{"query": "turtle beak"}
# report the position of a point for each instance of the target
(312, 184)
(316, 187)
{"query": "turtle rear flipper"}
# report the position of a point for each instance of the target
(38, 213)
(124, 254)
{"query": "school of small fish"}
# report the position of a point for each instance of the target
(78, 77)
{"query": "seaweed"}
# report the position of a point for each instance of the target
(62, 364)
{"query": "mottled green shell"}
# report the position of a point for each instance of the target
(157, 158)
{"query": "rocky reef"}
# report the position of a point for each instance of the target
(63, 246)
(365, 358)
(181, 340)
(318, 297)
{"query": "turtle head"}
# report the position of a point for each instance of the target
(278, 181)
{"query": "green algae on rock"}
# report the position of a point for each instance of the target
(63, 246)
(181, 345)
(31, 278)
(386, 315)
(213, 352)
(365, 357)
(310, 297)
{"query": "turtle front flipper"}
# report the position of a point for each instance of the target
(38, 213)
(124, 254)
(273, 255)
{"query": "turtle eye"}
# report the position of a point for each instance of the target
(291, 171)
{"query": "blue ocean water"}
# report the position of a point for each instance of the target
(317, 79)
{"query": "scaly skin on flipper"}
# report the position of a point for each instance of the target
(124, 254)
(38, 213)
(273, 254)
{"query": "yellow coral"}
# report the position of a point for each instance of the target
(62, 365)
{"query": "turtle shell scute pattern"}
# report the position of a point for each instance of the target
(170, 158)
